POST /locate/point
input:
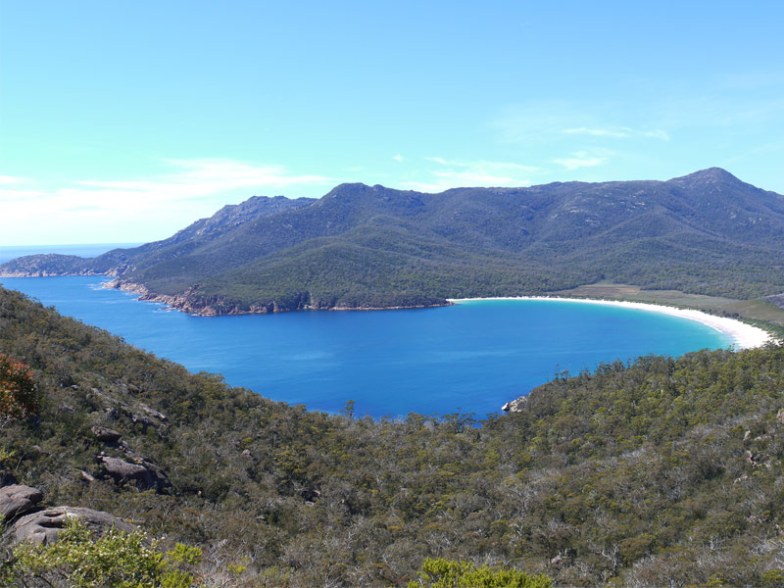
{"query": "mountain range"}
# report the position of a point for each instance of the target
(365, 246)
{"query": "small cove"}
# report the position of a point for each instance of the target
(468, 358)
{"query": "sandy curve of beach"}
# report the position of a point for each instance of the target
(743, 335)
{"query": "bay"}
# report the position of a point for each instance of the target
(469, 358)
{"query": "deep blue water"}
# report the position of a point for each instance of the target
(468, 358)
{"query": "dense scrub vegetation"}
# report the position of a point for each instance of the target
(370, 246)
(664, 472)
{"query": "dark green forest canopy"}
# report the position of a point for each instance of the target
(373, 247)
(667, 471)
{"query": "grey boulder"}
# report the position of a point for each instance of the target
(16, 500)
(144, 475)
(45, 526)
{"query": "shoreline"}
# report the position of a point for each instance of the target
(182, 303)
(743, 335)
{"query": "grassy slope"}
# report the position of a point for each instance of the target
(757, 311)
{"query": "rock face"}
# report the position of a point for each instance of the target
(45, 526)
(17, 500)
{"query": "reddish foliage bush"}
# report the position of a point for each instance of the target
(18, 392)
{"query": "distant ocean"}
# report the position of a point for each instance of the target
(468, 358)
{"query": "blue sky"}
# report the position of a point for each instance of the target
(124, 121)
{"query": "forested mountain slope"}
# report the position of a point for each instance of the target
(369, 246)
(665, 472)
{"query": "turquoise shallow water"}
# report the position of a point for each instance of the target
(472, 357)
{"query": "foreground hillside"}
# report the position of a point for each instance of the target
(666, 472)
(363, 247)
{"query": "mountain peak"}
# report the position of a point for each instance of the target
(711, 175)
(348, 189)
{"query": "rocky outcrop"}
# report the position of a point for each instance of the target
(186, 302)
(137, 413)
(45, 526)
(106, 435)
(515, 405)
(17, 500)
(24, 520)
(194, 302)
(123, 471)
(154, 413)
(143, 474)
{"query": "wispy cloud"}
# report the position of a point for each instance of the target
(399, 158)
(613, 133)
(451, 173)
(660, 134)
(15, 189)
(534, 123)
(548, 122)
(580, 160)
(618, 133)
(140, 208)
(754, 80)
(722, 112)
(11, 180)
(195, 178)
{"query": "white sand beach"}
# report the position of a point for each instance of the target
(743, 335)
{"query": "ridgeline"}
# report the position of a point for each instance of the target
(373, 247)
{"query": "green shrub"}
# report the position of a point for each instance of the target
(123, 560)
(446, 573)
